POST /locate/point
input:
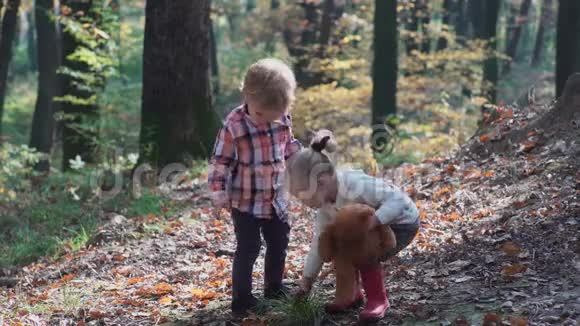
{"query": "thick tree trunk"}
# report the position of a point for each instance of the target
(567, 43)
(544, 21)
(514, 39)
(43, 123)
(77, 140)
(7, 36)
(384, 71)
(178, 123)
(490, 67)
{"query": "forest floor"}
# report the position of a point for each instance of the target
(499, 244)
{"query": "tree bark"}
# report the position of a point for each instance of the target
(384, 70)
(425, 20)
(326, 25)
(490, 67)
(567, 42)
(544, 21)
(7, 36)
(513, 41)
(449, 8)
(178, 123)
(31, 37)
(43, 123)
(274, 4)
(214, 61)
(74, 140)
(250, 5)
(461, 23)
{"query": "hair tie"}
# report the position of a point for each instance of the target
(319, 146)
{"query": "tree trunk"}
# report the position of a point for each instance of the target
(449, 8)
(490, 66)
(326, 26)
(214, 61)
(412, 26)
(384, 71)
(425, 20)
(250, 5)
(567, 43)
(42, 133)
(544, 20)
(462, 23)
(76, 138)
(178, 123)
(516, 32)
(275, 4)
(31, 37)
(7, 36)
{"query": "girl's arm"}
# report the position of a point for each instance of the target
(293, 146)
(314, 262)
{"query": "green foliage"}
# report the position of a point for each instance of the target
(307, 311)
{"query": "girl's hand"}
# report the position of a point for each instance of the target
(374, 222)
(305, 287)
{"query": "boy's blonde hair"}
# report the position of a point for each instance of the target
(271, 83)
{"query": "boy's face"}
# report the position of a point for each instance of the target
(261, 114)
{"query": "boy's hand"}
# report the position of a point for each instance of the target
(219, 199)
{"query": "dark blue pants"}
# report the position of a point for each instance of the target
(276, 235)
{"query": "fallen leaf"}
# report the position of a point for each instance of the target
(492, 319)
(528, 145)
(176, 224)
(162, 288)
(96, 314)
(488, 173)
(510, 249)
(119, 257)
(135, 280)
(512, 270)
(518, 321)
(165, 300)
(67, 277)
(484, 137)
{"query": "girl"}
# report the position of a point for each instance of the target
(246, 175)
(316, 182)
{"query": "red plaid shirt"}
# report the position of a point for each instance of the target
(248, 162)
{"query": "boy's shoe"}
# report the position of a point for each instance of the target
(277, 292)
(377, 299)
(240, 307)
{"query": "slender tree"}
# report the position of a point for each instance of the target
(43, 123)
(513, 41)
(80, 108)
(490, 10)
(326, 25)
(542, 24)
(567, 43)
(449, 8)
(31, 38)
(177, 121)
(7, 36)
(384, 70)
(214, 60)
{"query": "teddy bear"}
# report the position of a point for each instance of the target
(349, 242)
